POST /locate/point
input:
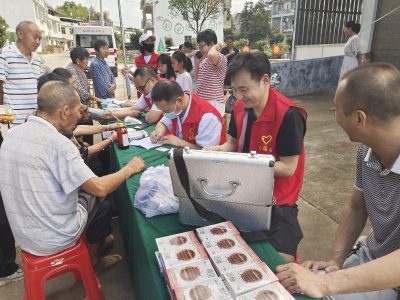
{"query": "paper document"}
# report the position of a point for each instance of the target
(144, 143)
(115, 101)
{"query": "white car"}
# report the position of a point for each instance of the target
(170, 50)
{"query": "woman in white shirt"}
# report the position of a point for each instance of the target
(183, 65)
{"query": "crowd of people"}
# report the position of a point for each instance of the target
(54, 184)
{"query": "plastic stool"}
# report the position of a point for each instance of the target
(297, 261)
(39, 269)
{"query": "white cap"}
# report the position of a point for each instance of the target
(144, 37)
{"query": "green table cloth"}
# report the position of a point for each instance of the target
(139, 233)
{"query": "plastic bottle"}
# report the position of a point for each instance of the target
(123, 141)
(7, 114)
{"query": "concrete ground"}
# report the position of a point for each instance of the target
(328, 182)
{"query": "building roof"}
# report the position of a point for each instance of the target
(54, 12)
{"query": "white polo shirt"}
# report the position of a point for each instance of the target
(19, 78)
(209, 132)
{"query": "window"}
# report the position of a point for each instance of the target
(293, 6)
(281, 6)
(70, 31)
(188, 38)
(63, 30)
(37, 12)
(59, 27)
(87, 40)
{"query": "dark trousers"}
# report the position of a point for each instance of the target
(7, 245)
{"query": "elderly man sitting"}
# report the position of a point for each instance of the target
(50, 196)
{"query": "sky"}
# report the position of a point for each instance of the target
(131, 13)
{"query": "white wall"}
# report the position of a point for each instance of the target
(367, 17)
(179, 28)
(318, 51)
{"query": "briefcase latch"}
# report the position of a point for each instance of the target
(253, 154)
(204, 181)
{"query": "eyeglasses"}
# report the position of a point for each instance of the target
(141, 88)
(201, 47)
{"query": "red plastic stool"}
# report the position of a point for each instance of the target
(297, 261)
(39, 269)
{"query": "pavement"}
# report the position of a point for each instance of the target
(328, 181)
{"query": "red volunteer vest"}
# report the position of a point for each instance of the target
(139, 61)
(190, 126)
(263, 140)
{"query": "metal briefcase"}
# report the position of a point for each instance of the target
(237, 186)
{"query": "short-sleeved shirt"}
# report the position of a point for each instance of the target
(210, 79)
(381, 189)
(289, 140)
(19, 78)
(185, 81)
(141, 103)
(82, 83)
(102, 77)
(209, 131)
(41, 172)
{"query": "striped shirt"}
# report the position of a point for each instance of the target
(210, 79)
(381, 189)
(102, 77)
(19, 78)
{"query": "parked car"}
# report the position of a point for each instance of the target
(128, 46)
(170, 50)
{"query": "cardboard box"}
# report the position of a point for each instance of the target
(189, 274)
(176, 241)
(234, 259)
(214, 289)
(248, 278)
(174, 257)
(225, 243)
(217, 230)
(271, 291)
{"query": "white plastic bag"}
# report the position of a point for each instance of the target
(155, 195)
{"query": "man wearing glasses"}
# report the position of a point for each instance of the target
(145, 78)
(210, 69)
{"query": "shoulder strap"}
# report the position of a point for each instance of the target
(277, 213)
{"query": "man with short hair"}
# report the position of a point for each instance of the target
(20, 67)
(194, 122)
(145, 78)
(103, 79)
(209, 71)
(265, 121)
(50, 196)
(230, 53)
(367, 106)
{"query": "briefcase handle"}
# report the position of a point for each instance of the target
(204, 181)
(276, 215)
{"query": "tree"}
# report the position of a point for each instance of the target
(71, 9)
(276, 38)
(195, 12)
(194, 43)
(230, 31)
(134, 38)
(289, 42)
(4, 34)
(118, 39)
(169, 42)
(256, 20)
(263, 45)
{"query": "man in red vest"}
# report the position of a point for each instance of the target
(194, 122)
(145, 78)
(266, 122)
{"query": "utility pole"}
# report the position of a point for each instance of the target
(127, 82)
(89, 15)
(101, 13)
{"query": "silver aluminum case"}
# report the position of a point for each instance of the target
(248, 208)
